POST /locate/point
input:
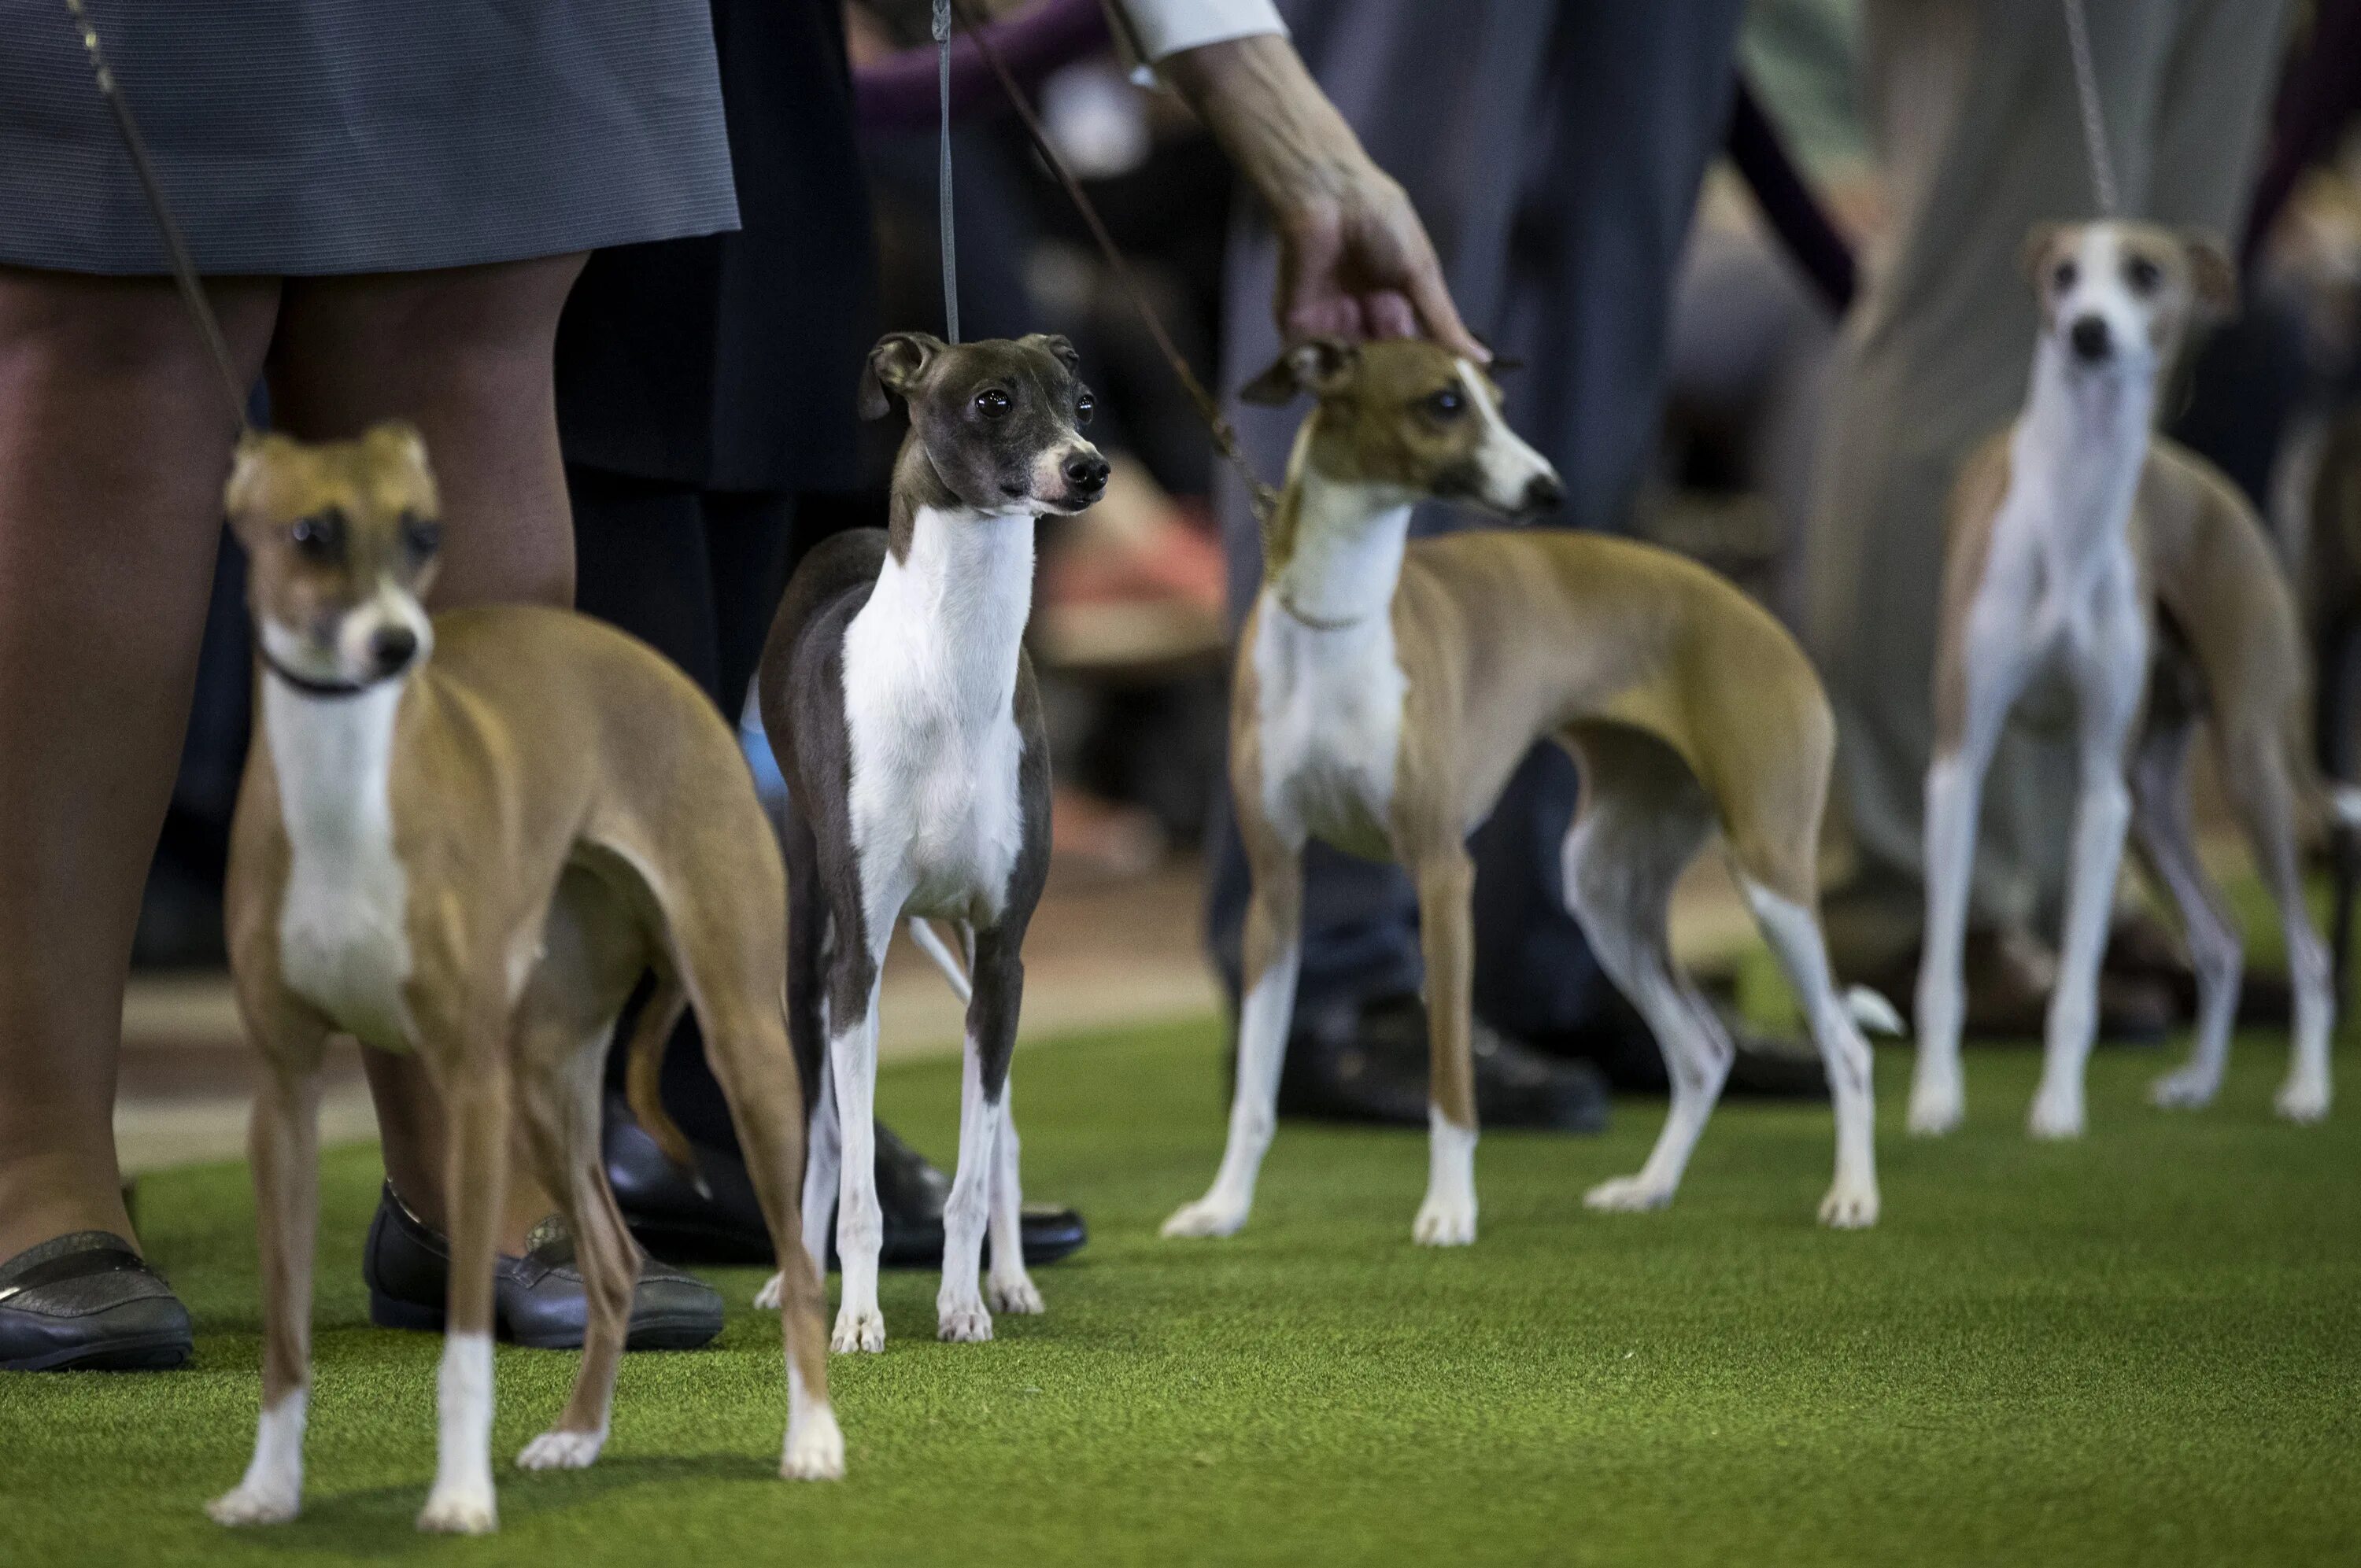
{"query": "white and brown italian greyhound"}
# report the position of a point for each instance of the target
(468, 839)
(2092, 560)
(1385, 690)
(899, 701)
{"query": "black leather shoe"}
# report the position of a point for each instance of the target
(724, 1223)
(1372, 1065)
(538, 1298)
(87, 1302)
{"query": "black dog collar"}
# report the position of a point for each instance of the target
(312, 685)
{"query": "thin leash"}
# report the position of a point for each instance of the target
(185, 271)
(1260, 496)
(2094, 124)
(943, 171)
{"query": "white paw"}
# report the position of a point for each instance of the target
(1206, 1217)
(2055, 1117)
(964, 1323)
(1936, 1108)
(460, 1509)
(814, 1449)
(766, 1299)
(562, 1450)
(1628, 1195)
(2302, 1098)
(1018, 1295)
(2187, 1090)
(861, 1328)
(1445, 1221)
(1850, 1206)
(254, 1505)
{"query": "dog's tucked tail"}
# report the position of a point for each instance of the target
(643, 1076)
(931, 944)
(1873, 1012)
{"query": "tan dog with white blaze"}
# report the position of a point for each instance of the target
(2092, 559)
(1386, 688)
(475, 856)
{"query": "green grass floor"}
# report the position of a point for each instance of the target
(2145, 1348)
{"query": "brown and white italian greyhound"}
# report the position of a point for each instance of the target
(468, 839)
(1385, 690)
(2091, 559)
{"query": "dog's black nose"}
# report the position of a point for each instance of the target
(394, 647)
(1086, 470)
(2090, 337)
(1543, 493)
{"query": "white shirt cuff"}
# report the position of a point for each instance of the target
(1161, 28)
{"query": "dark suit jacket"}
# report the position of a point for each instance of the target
(728, 362)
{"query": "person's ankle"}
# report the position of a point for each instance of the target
(36, 1206)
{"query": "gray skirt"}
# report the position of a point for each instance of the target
(296, 137)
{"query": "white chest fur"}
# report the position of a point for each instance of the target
(343, 941)
(930, 687)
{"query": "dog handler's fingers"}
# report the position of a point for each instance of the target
(1389, 313)
(1431, 298)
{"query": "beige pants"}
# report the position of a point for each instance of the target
(1973, 105)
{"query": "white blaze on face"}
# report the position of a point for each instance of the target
(2101, 289)
(1508, 465)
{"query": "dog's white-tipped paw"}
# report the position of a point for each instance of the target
(2189, 1088)
(249, 1504)
(2055, 1117)
(460, 1509)
(2302, 1099)
(1019, 1295)
(1445, 1221)
(1850, 1206)
(964, 1323)
(814, 1449)
(1206, 1217)
(1937, 1108)
(1628, 1195)
(858, 1328)
(562, 1450)
(766, 1299)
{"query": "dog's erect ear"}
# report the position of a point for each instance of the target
(259, 451)
(2033, 256)
(1319, 365)
(1060, 345)
(399, 440)
(897, 361)
(2212, 279)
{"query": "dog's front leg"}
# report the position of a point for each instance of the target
(853, 1063)
(475, 1093)
(1445, 882)
(1273, 952)
(2108, 664)
(283, 1142)
(999, 985)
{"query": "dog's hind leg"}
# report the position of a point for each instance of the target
(2167, 842)
(283, 1142)
(1008, 1287)
(1642, 820)
(2255, 772)
(999, 988)
(1794, 932)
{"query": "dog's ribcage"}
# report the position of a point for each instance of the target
(929, 683)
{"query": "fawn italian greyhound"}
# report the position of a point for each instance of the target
(899, 701)
(2091, 559)
(1385, 690)
(468, 839)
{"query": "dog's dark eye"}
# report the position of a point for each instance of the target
(2143, 275)
(320, 538)
(1446, 405)
(2063, 279)
(991, 403)
(1085, 407)
(421, 536)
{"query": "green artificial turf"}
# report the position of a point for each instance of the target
(2144, 1348)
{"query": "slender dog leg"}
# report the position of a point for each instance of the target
(860, 1220)
(823, 1161)
(462, 1501)
(2255, 770)
(999, 985)
(1009, 1288)
(2167, 846)
(283, 1140)
(1273, 951)
(1794, 937)
(1447, 1217)
(2109, 667)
